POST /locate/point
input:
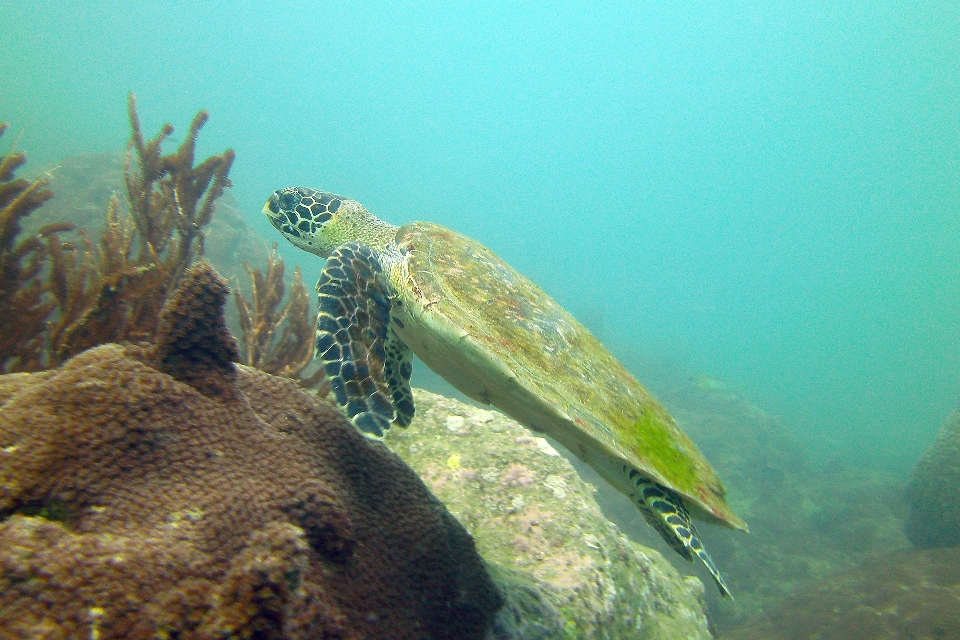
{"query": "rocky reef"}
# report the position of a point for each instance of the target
(161, 491)
(909, 594)
(934, 492)
(564, 569)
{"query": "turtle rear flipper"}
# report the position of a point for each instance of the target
(367, 364)
(665, 512)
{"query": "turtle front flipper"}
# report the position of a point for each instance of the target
(367, 364)
(664, 511)
(397, 367)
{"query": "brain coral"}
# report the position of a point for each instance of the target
(934, 497)
(164, 492)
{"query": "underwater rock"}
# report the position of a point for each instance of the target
(565, 571)
(908, 594)
(83, 185)
(163, 491)
(934, 492)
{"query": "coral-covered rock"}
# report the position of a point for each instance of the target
(193, 344)
(564, 569)
(139, 499)
(908, 594)
(934, 492)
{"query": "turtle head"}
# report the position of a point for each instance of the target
(319, 222)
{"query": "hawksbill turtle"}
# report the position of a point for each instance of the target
(388, 292)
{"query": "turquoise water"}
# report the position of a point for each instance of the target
(767, 192)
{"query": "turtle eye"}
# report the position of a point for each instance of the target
(289, 200)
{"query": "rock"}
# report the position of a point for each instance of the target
(565, 571)
(907, 594)
(934, 497)
(82, 187)
(162, 491)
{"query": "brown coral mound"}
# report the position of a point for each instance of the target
(138, 502)
(934, 497)
(909, 595)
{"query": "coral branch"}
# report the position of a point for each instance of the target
(142, 258)
(262, 317)
(24, 307)
(59, 298)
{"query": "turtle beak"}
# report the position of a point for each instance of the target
(272, 208)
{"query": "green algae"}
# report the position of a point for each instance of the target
(53, 510)
(650, 437)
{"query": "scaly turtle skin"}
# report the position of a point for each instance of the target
(499, 339)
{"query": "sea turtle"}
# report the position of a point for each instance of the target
(498, 338)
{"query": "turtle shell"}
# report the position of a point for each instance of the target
(502, 340)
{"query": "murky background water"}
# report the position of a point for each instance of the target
(764, 193)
